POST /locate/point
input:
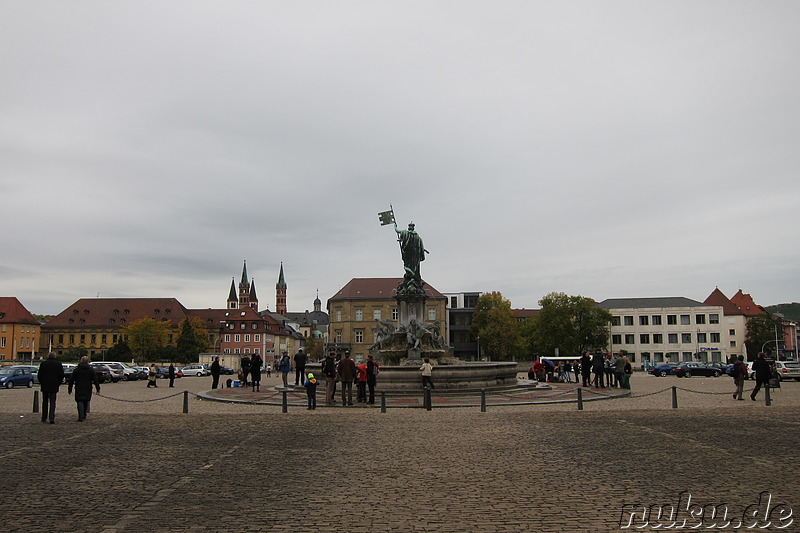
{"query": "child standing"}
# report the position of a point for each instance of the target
(311, 391)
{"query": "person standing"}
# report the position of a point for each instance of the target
(761, 367)
(627, 372)
(329, 373)
(300, 360)
(311, 391)
(346, 370)
(427, 371)
(51, 374)
(245, 364)
(586, 369)
(255, 372)
(619, 371)
(285, 367)
(598, 367)
(82, 379)
(269, 370)
(739, 374)
(215, 369)
(373, 368)
(361, 383)
(152, 376)
(171, 373)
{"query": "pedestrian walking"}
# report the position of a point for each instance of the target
(311, 391)
(329, 373)
(269, 370)
(586, 369)
(82, 379)
(739, 374)
(255, 372)
(50, 374)
(346, 370)
(215, 369)
(152, 376)
(245, 364)
(427, 371)
(171, 373)
(285, 367)
(300, 360)
(761, 367)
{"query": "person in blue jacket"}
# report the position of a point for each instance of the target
(311, 391)
(285, 366)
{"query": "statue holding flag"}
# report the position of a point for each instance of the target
(412, 250)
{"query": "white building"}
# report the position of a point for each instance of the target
(657, 330)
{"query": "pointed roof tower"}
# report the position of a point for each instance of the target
(244, 274)
(317, 303)
(280, 293)
(253, 297)
(233, 301)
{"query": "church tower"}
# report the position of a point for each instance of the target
(244, 289)
(233, 301)
(246, 295)
(280, 294)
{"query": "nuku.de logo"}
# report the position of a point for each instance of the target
(686, 514)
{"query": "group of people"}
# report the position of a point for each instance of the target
(764, 373)
(598, 370)
(82, 380)
(344, 371)
(249, 373)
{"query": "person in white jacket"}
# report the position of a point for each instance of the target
(427, 371)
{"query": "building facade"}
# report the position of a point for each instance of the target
(657, 330)
(356, 307)
(460, 308)
(19, 331)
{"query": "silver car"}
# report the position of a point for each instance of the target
(195, 370)
(788, 370)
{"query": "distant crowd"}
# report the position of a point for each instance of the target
(599, 370)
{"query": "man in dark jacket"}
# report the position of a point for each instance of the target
(598, 367)
(246, 364)
(761, 367)
(51, 374)
(82, 378)
(346, 370)
(215, 369)
(300, 361)
(329, 372)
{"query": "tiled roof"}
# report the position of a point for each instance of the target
(13, 312)
(647, 303)
(376, 289)
(746, 304)
(213, 317)
(101, 312)
(718, 298)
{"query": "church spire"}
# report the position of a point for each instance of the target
(233, 301)
(244, 274)
(280, 293)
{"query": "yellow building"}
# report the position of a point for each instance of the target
(354, 310)
(19, 331)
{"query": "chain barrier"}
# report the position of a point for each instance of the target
(141, 401)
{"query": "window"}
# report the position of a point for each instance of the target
(2, 342)
(395, 314)
(256, 350)
(93, 339)
(616, 339)
(687, 356)
(644, 338)
(236, 350)
(685, 320)
(453, 302)
(615, 321)
(247, 350)
(227, 350)
(701, 337)
(629, 339)
(359, 336)
(732, 332)
(431, 313)
(644, 320)
(686, 338)
(257, 338)
(376, 314)
(83, 338)
(658, 338)
(672, 320)
(255, 326)
(246, 337)
(672, 338)
(237, 338)
(700, 319)
(714, 337)
(242, 325)
(60, 338)
(338, 315)
(359, 315)
(628, 320)
(103, 338)
(713, 318)
(227, 337)
(733, 344)
(114, 338)
(338, 336)
(656, 320)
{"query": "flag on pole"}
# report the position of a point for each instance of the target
(386, 217)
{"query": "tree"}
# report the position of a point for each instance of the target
(192, 339)
(146, 337)
(73, 353)
(495, 327)
(313, 346)
(573, 324)
(119, 352)
(761, 332)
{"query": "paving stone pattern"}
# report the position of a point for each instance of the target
(223, 467)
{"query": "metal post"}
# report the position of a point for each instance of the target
(185, 402)
(36, 401)
(285, 406)
(383, 401)
(674, 397)
(428, 405)
(767, 395)
(580, 399)
(483, 400)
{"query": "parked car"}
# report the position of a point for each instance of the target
(68, 369)
(127, 373)
(788, 370)
(116, 374)
(11, 377)
(142, 371)
(663, 369)
(195, 370)
(103, 372)
(226, 370)
(687, 370)
(33, 369)
(163, 372)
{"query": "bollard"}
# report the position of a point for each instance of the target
(427, 401)
(383, 401)
(674, 397)
(185, 402)
(483, 400)
(285, 406)
(36, 401)
(580, 399)
(768, 399)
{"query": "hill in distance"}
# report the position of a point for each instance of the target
(789, 311)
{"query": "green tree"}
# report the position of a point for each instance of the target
(192, 339)
(495, 327)
(72, 354)
(761, 331)
(119, 352)
(573, 324)
(146, 337)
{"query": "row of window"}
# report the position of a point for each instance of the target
(376, 314)
(23, 328)
(238, 338)
(672, 338)
(672, 320)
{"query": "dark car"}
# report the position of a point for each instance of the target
(663, 369)
(226, 370)
(104, 374)
(163, 372)
(687, 370)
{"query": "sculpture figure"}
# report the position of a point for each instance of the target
(412, 250)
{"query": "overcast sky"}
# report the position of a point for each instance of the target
(605, 149)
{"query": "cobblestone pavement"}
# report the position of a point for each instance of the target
(134, 467)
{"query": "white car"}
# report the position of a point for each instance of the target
(788, 370)
(195, 370)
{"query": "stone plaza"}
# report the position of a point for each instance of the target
(138, 463)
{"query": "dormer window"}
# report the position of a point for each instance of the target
(116, 311)
(157, 311)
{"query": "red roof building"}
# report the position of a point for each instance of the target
(19, 330)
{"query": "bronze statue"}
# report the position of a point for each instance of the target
(412, 250)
